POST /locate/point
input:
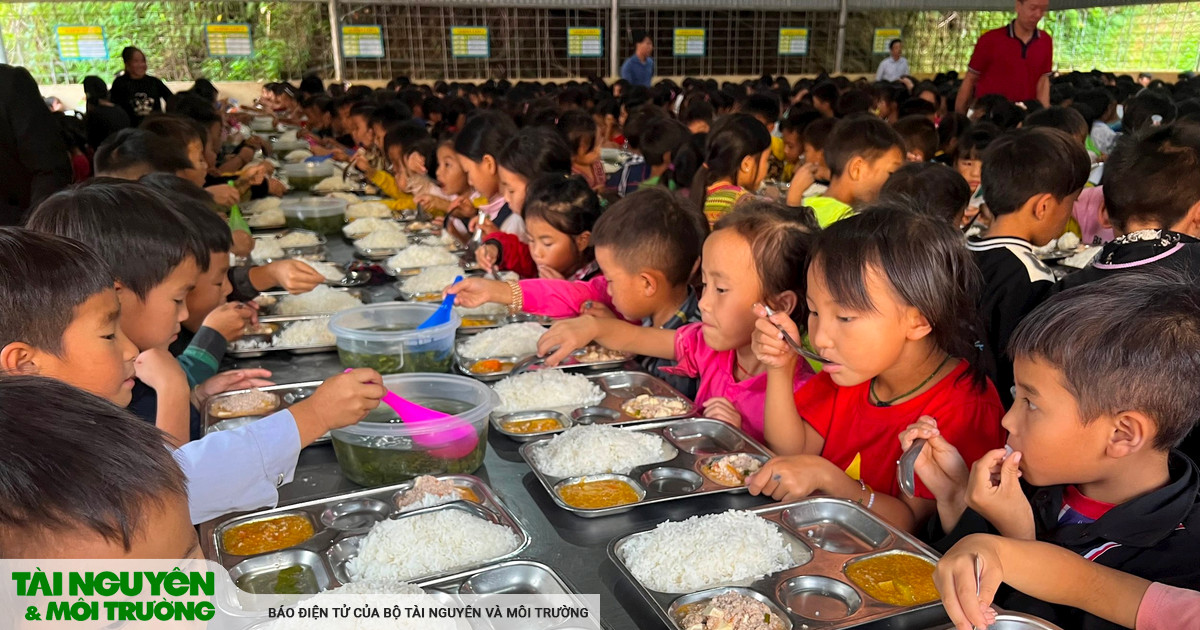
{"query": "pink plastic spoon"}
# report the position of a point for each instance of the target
(453, 443)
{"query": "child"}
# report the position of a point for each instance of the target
(1058, 576)
(891, 302)
(765, 109)
(1103, 399)
(408, 148)
(458, 203)
(131, 153)
(792, 129)
(862, 152)
(756, 238)
(920, 137)
(478, 146)
(61, 318)
(968, 161)
(582, 136)
(559, 214)
(1033, 177)
(647, 259)
(660, 145)
(735, 164)
(1153, 202)
(813, 179)
(530, 154)
(931, 188)
(697, 116)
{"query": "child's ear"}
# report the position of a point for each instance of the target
(648, 284)
(854, 168)
(1131, 431)
(1039, 205)
(1190, 224)
(918, 326)
(749, 163)
(18, 357)
(583, 241)
(785, 302)
(489, 164)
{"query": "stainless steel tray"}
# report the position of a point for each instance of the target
(1014, 621)
(496, 321)
(280, 321)
(619, 387)
(835, 533)
(570, 364)
(267, 314)
(289, 394)
(304, 250)
(690, 444)
(376, 253)
(340, 522)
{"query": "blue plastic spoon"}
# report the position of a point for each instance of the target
(442, 314)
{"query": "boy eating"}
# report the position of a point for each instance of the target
(862, 152)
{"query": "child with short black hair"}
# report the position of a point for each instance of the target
(583, 139)
(1032, 178)
(932, 188)
(1104, 397)
(660, 146)
(793, 129)
(813, 179)
(132, 153)
(698, 115)
(920, 137)
(560, 211)
(862, 152)
(478, 146)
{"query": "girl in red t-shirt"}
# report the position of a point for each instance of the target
(891, 301)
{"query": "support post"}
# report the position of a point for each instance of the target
(335, 36)
(4, 53)
(843, 14)
(614, 27)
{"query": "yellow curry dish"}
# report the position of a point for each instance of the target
(270, 534)
(899, 579)
(599, 494)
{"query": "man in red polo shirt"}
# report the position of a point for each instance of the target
(1014, 61)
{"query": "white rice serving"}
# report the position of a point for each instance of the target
(298, 238)
(297, 156)
(425, 544)
(705, 551)
(368, 209)
(320, 300)
(266, 249)
(262, 205)
(438, 240)
(306, 333)
(431, 279)
(512, 340)
(597, 449)
(383, 240)
(488, 308)
(421, 256)
(332, 183)
(269, 217)
(349, 198)
(359, 228)
(327, 269)
(546, 389)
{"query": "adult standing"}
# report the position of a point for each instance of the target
(103, 117)
(1014, 61)
(33, 159)
(138, 93)
(895, 66)
(638, 69)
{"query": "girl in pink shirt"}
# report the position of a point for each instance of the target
(754, 255)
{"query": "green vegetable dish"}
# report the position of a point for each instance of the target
(302, 182)
(401, 363)
(321, 225)
(294, 580)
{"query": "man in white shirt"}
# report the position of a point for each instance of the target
(895, 66)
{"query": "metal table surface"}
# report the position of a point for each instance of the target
(576, 547)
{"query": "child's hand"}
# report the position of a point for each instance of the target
(432, 203)
(340, 401)
(955, 580)
(224, 194)
(994, 490)
(340, 155)
(565, 337)
(719, 408)
(243, 243)
(802, 179)
(474, 292)
(160, 370)
(462, 208)
(487, 255)
(488, 226)
(789, 478)
(230, 381)
(549, 273)
(231, 318)
(597, 310)
(363, 164)
(276, 188)
(940, 466)
(767, 341)
(294, 276)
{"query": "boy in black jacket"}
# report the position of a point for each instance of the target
(1106, 388)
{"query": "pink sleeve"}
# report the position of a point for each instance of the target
(689, 344)
(1163, 606)
(563, 298)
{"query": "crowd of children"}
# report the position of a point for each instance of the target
(839, 268)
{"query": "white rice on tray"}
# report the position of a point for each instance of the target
(421, 256)
(266, 249)
(597, 449)
(327, 269)
(359, 228)
(512, 340)
(431, 279)
(705, 551)
(383, 240)
(306, 333)
(349, 198)
(262, 205)
(438, 240)
(483, 309)
(425, 544)
(332, 183)
(321, 300)
(269, 217)
(297, 238)
(368, 209)
(546, 389)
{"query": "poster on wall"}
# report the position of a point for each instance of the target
(470, 41)
(79, 42)
(585, 41)
(882, 37)
(793, 42)
(228, 40)
(689, 42)
(362, 41)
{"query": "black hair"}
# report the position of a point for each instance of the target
(534, 152)
(685, 163)
(826, 91)
(931, 188)
(177, 129)
(853, 102)
(389, 115)
(485, 133)
(780, 244)
(637, 121)
(45, 278)
(987, 102)
(663, 136)
(916, 107)
(203, 88)
(763, 105)
(1028, 162)
(639, 36)
(734, 138)
(1130, 342)
(817, 132)
(1151, 176)
(194, 108)
(578, 129)
(919, 134)
(120, 469)
(864, 136)
(141, 247)
(651, 229)
(1004, 115)
(974, 140)
(128, 52)
(1141, 110)
(923, 258)
(137, 148)
(1093, 104)
(194, 203)
(566, 202)
(798, 118)
(362, 109)
(1065, 119)
(697, 109)
(312, 84)
(404, 135)
(95, 88)
(893, 43)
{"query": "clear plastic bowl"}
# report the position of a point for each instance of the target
(323, 215)
(283, 147)
(304, 175)
(380, 450)
(384, 337)
(262, 123)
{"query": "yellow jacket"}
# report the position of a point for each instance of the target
(395, 198)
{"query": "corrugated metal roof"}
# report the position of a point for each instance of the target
(748, 5)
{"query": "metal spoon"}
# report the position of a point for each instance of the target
(905, 467)
(978, 577)
(354, 278)
(526, 364)
(793, 344)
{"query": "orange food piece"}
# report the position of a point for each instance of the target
(899, 579)
(267, 535)
(467, 494)
(594, 495)
(533, 425)
(471, 322)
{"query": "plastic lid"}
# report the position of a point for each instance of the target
(353, 323)
(309, 169)
(313, 206)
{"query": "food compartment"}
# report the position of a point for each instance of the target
(595, 415)
(599, 492)
(355, 514)
(704, 437)
(896, 578)
(819, 598)
(1014, 621)
(697, 602)
(836, 526)
(516, 579)
(671, 481)
(730, 469)
(256, 535)
(291, 572)
(340, 554)
(626, 385)
(531, 423)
